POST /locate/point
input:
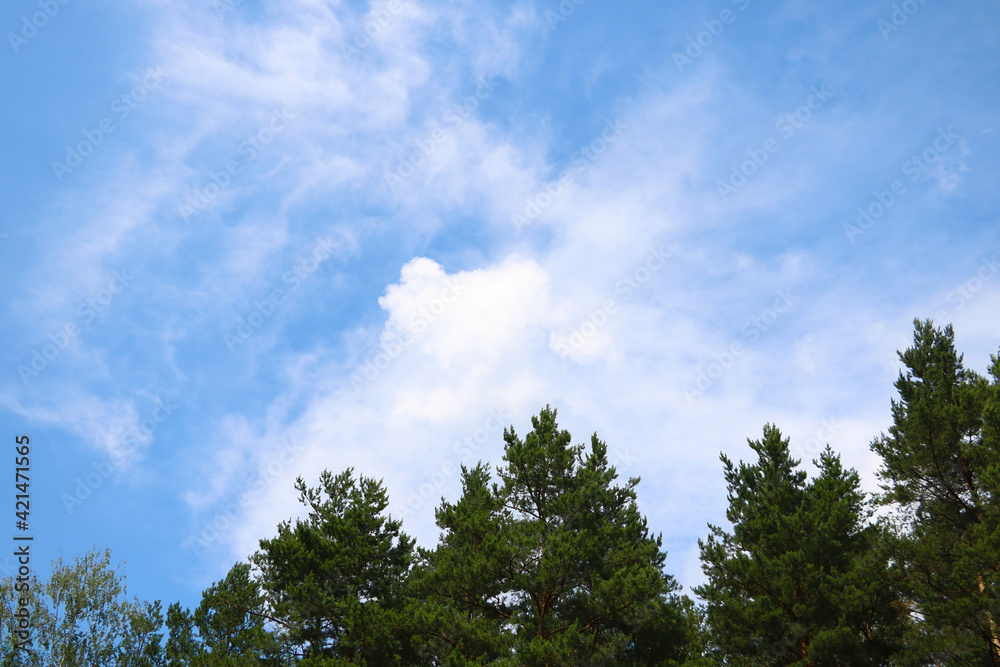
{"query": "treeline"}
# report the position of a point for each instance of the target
(546, 560)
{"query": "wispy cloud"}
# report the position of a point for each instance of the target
(369, 229)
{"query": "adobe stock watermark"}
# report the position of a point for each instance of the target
(132, 439)
(702, 40)
(562, 13)
(468, 446)
(223, 7)
(888, 354)
(122, 106)
(827, 429)
(322, 250)
(899, 17)
(436, 479)
(787, 125)
(915, 167)
(389, 348)
(249, 495)
(579, 161)
(656, 259)
(8, 568)
(966, 291)
(751, 330)
(37, 21)
(454, 118)
(88, 311)
(247, 152)
(379, 19)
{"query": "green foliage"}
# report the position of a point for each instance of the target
(458, 608)
(230, 625)
(941, 468)
(82, 617)
(335, 581)
(553, 565)
(797, 582)
(182, 644)
(548, 561)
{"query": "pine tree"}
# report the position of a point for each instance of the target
(335, 580)
(796, 582)
(459, 608)
(941, 468)
(228, 628)
(552, 565)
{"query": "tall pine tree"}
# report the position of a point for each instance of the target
(459, 604)
(941, 467)
(335, 580)
(796, 582)
(552, 565)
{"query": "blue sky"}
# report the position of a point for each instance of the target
(246, 241)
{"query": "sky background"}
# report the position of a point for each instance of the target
(246, 241)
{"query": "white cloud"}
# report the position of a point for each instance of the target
(105, 424)
(527, 325)
(501, 340)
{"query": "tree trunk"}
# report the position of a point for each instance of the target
(994, 637)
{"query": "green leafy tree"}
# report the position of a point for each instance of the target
(334, 581)
(80, 617)
(800, 580)
(941, 469)
(552, 565)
